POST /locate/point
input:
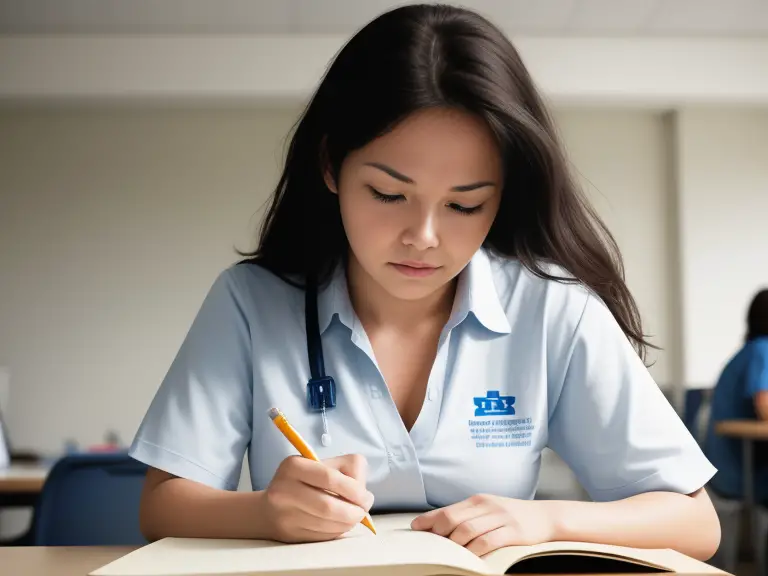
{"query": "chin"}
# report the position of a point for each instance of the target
(411, 290)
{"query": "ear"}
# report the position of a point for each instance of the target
(325, 167)
(329, 181)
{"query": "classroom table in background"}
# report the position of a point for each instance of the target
(21, 484)
(80, 560)
(20, 487)
(749, 432)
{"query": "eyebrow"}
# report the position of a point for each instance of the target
(405, 179)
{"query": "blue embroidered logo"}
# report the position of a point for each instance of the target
(492, 404)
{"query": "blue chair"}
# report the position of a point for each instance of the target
(91, 500)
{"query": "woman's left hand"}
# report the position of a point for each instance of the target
(484, 523)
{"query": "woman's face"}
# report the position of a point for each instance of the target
(418, 202)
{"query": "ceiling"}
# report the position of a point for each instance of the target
(521, 17)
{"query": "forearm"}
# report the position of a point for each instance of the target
(684, 523)
(183, 508)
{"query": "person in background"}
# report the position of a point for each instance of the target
(741, 392)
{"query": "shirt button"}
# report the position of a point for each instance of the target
(397, 454)
(374, 392)
(431, 394)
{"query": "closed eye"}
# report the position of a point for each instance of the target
(386, 198)
(467, 210)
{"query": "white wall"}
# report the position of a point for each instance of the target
(621, 159)
(661, 71)
(723, 194)
(113, 224)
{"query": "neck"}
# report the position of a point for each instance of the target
(376, 307)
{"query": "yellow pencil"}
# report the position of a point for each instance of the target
(304, 449)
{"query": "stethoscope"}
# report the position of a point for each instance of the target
(321, 389)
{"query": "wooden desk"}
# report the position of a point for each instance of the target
(79, 561)
(744, 429)
(20, 485)
(58, 561)
(749, 432)
(22, 479)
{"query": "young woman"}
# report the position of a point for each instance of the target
(471, 310)
(742, 393)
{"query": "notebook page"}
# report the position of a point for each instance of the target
(396, 547)
(500, 560)
(386, 523)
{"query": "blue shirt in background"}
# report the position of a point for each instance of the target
(745, 375)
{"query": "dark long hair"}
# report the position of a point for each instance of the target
(757, 316)
(422, 56)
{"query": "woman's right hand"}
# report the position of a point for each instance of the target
(297, 504)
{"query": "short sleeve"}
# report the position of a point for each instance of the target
(198, 426)
(613, 425)
(757, 368)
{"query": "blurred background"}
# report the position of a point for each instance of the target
(140, 139)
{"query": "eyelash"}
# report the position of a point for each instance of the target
(388, 198)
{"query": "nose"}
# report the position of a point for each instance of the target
(421, 232)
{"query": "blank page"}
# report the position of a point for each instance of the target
(395, 545)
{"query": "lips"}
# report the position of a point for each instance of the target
(414, 269)
(415, 264)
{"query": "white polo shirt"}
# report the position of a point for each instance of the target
(522, 364)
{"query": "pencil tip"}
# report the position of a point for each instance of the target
(368, 523)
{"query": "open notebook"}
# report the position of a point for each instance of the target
(395, 550)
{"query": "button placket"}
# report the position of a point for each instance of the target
(405, 484)
(426, 424)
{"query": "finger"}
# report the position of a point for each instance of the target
(319, 475)
(326, 513)
(493, 540)
(352, 465)
(327, 526)
(308, 503)
(444, 520)
(476, 527)
(327, 506)
(308, 535)
(425, 521)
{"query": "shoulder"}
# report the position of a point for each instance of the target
(250, 276)
(759, 348)
(254, 290)
(549, 294)
(760, 344)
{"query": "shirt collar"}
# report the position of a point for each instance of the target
(333, 300)
(475, 293)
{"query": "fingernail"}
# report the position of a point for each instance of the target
(369, 501)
